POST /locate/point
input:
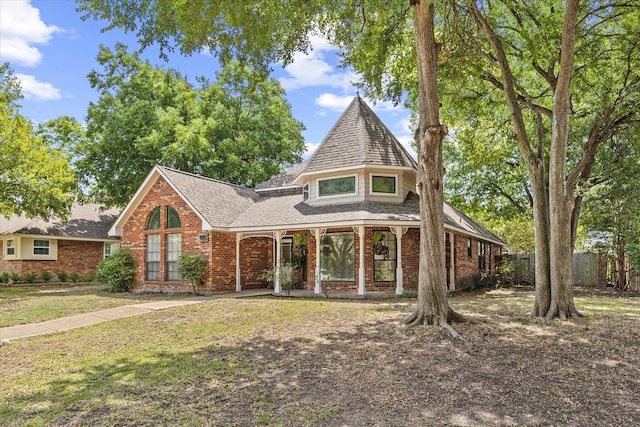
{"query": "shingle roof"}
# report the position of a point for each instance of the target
(285, 179)
(87, 221)
(281, 211)
(218, 202)
(359, 138)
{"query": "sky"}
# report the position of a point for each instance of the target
(51, 50)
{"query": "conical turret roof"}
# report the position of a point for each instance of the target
(358, 138)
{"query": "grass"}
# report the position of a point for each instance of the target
(31, 304)
(272, 362)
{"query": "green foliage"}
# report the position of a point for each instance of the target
(286, 277)
(75, 277)
(300, 239)
(237, 129)
(118, 270)
(36, 179)
(15, 278)
(46, 276)
(29, 278)
(4, 277)
(63, 276)
(192, 268)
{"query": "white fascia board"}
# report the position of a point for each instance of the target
(285, 187)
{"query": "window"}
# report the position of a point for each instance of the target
(11, 249)
(384, 256)
(153, 257)
(337, 186)
(173, 219)
(305, 192)
(41, 247)
(469, 248)
(482, 260)
(174, 245)
(107, 249)
(337, 257)
(154, 220)
(383, 184)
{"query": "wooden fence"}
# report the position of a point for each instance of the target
(585, 268)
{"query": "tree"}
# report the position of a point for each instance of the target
(265, 32)
(612, 205)
(237, 129)
(35, 178)
(531, 53)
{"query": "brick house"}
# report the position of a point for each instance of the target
(349, 218)
(31, 246)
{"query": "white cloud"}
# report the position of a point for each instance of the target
(21, 28)
(41, 91)
(334, 102)
(311, 147)
(312, 69)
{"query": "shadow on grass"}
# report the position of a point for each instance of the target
(372, 373)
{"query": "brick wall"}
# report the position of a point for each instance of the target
(135, 234)
(74, 256)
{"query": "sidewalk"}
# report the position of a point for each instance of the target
(80, 320)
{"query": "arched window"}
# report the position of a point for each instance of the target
(173, 219)
(154, 220)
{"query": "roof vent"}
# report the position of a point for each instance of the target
(203, 237)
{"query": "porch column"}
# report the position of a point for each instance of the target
(399, 278)
(317, 234)
(276, 279)
(238, 285)
(452, 264)
(361, 287)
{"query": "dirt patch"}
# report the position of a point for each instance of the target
(275, 361)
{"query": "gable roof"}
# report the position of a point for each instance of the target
(215, 202)
(358, 138)
(87, 221)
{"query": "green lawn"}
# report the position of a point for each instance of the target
(31, 304)
(285, 361)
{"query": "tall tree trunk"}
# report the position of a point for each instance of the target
(542, 256)
(560, 194)
(432, 307)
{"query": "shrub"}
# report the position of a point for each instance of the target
(286, 277)
(4, 277)
(191, 267)
(29, 278)
(46, 276)
(63, 276)
(15, 278)
(75, 277)
(118, 270)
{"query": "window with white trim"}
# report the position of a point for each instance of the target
(337, 186)
(107, 250)
(337, 257)
(174, 248)
(40, 247)
(384, 184)
(11, 249)
(384, 256)
(305, 192)
(153, 257)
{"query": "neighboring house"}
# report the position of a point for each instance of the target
(77, 246)
(352, 205)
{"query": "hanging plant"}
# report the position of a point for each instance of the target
(300, 245)
(379, 246)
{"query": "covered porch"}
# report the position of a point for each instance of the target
(362, 259)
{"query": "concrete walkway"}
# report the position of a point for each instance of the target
(80, 320)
